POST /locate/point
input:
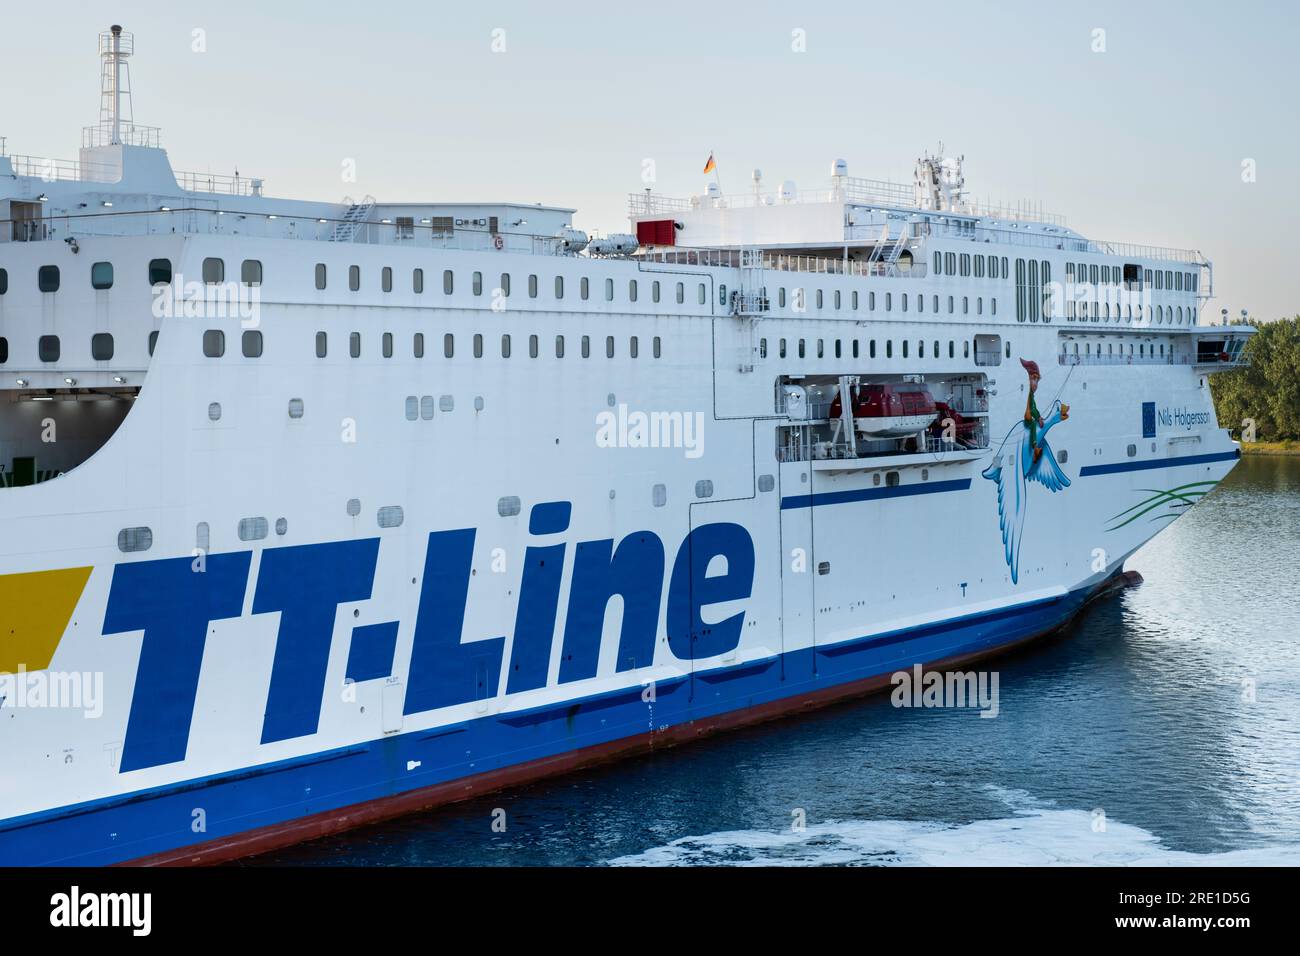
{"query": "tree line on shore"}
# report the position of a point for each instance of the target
(1267, 391)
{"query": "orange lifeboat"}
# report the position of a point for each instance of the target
(890, 409)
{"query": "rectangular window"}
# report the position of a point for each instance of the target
(584, 288)
(47, 278)
(386, 344)
(559, 287)
(101, 347)
(505, 346)
(386, 279)
(214, 343)
(505, 284)
(704, 296)
(250, 272)
(657, 347)
(417, 345)
(609, 290)
(1020, 290)
(654, 291)
(586, 346)
(633, 347)
(609, 346)
(478, 283)
(532, 346)
(681, 292)
(354, 345)
(559, 346)
(160, 272)
(417, 281)
(478, 345)
(214, 271)
(322, 344)
(532, 286)
(101, 275)
(354, 278)
(251, 343)
(631, 290)
(448, 282)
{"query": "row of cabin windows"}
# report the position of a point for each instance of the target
(855, 346)
(449, 346)
(49, 278)
(905, 301)
(1112, 350)
(1168, 280)
(966, 264)
(1102, 312)
(214, 345)
(503, 289)
(50, 349)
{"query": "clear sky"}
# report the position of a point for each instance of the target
(1143, 141)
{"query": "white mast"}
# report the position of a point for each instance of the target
(116, 119)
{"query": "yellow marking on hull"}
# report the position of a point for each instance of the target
(34, 612)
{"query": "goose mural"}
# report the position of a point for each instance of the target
(1025, 457)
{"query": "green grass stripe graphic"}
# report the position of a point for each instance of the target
(1183, 494)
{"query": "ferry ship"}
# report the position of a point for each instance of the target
(315, 513)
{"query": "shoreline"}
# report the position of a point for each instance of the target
(1281, 448)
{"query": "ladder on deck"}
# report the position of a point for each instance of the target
(353, 219)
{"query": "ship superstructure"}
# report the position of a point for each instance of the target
(317, 512)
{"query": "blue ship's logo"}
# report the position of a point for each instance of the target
(173, 605)
(1025, 456)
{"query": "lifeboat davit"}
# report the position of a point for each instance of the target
(890, 410)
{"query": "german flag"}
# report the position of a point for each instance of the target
(710, 166)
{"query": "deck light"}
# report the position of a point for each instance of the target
(22, 383)
(69, 381)
(107, 204)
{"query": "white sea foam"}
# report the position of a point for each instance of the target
(1035, 836)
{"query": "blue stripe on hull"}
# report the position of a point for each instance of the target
(156, 821)
(793, 502)
(1116, 467)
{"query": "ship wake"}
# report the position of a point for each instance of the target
(1034, 836)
